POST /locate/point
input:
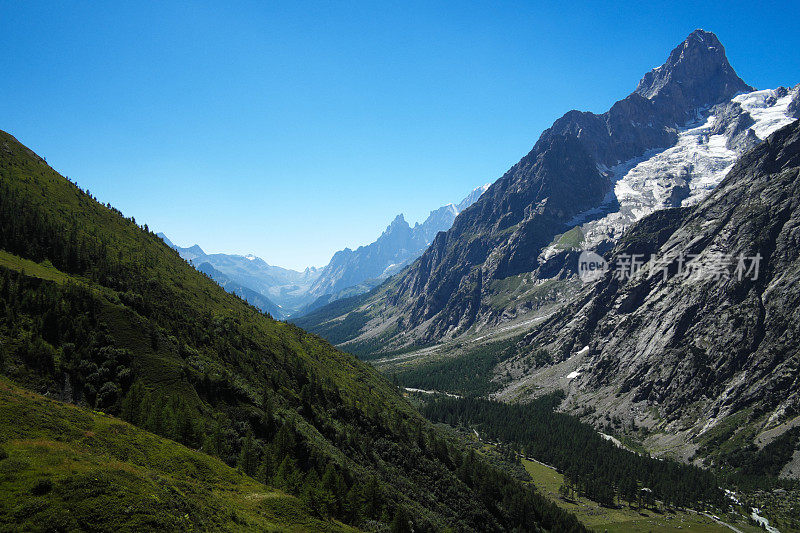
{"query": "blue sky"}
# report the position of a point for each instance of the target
(291, 130)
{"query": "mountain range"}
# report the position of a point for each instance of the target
(586, 180)
(693, 160)
(397, 246)
(606, 337)
(284, 292)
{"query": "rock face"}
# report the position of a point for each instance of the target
(495, 237)
(693, 343)
(794, 105)
(396, 246)
(584, 171)
(696, 74)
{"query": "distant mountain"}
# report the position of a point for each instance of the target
(586, 180)
(249, 295)
(397, 246)
(279, 291)
(283, 292)
(189, 254)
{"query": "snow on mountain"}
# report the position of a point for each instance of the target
(471, 198)
(769, 109)
(686, 173)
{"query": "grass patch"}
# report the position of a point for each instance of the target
(571, 239)
(70, 468)
(622, 519)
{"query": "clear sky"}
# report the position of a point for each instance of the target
(291, 130)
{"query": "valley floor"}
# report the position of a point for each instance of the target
(626, 519)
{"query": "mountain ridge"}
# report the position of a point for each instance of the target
(576, 168)
(398, 245)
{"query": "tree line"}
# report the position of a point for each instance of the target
(592, 465)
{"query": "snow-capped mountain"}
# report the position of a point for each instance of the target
(397, 246)
(687, 172)
(587, 178)
(279, 291)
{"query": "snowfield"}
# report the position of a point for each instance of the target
(684, 174)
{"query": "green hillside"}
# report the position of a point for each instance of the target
(67, 468)
(99, 312)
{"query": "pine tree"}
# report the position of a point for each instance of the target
(333, 484)
(155, 415)
(187, 427)
(371, 498)
(287, 477)
(247, 456)
(315, 496)
(400, 522)
(268, 410)
(266, 467)
(284, 442)
(169, 420)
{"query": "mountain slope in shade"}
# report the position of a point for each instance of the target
(686, 355)
(394, 249)
(584, 182)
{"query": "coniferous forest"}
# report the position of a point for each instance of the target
(593, 466)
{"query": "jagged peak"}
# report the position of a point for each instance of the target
(398, 223)
(698, 69)
(398, 220)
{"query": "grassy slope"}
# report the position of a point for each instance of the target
(67, 468)
(625, 519)
(67, 205)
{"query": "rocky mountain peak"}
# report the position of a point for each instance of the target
(398, 222)
(697, 73)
